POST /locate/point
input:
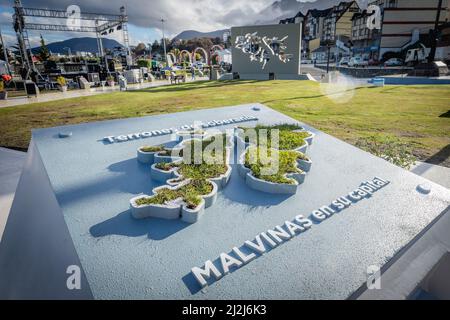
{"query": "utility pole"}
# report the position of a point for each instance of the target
(69, 52)
(5, 54)
(164, 41)
(328, 58)
(434, 34)
(328, 44)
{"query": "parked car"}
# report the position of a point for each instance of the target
(225, 66)
(417, 55)
(393, 62)
(358, 62)
(344, 61)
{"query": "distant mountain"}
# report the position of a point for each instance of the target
(191, 34)
(288, 8)
(86, 44)
(319, 5)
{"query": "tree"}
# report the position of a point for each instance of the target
(215, 59)
(185, 58)
(168, 45)
(44, 54)
(156, 47)
(228, 42)
(140, 49)
(204, 43)
(176, 53)
(198, 56)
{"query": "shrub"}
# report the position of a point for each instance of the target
(258, 161)
(198, 174)
(288, 138)
(389, 148)
(189, 193)
(198, 171)
(209, 166)
(165, 166)
(192, 201)
(302, 156)
(144, 63)
(61, 81)
(151, 148)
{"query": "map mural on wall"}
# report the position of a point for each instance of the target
(261, 49)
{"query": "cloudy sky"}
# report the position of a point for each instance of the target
(145, 15)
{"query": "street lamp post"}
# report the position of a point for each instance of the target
(69, 52)
(328, 57)
(433, 34)
(329, 43)
(164, 40)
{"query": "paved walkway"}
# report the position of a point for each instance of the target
(11, 163)
(320, 74)
(435, 173)
(316, 73)
(56, 95)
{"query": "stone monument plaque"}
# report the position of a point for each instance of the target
(71, 232)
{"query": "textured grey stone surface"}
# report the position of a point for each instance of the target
(152, 258)
(11, 163)
(37, 248)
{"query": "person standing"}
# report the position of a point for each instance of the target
(192, 73)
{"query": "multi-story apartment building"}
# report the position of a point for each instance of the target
(364, 41)
(298, 18)
(320, 26)
(313, 28)
(405, 22)
(338, 22)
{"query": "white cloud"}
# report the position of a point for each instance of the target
(202, 15)
(144, 15)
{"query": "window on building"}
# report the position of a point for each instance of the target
(391, 4)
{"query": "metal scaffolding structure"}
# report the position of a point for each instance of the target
(102, 24)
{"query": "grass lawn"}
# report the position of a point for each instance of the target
(416, 115)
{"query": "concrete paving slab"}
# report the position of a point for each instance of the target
(435, 173)
(11, 163)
